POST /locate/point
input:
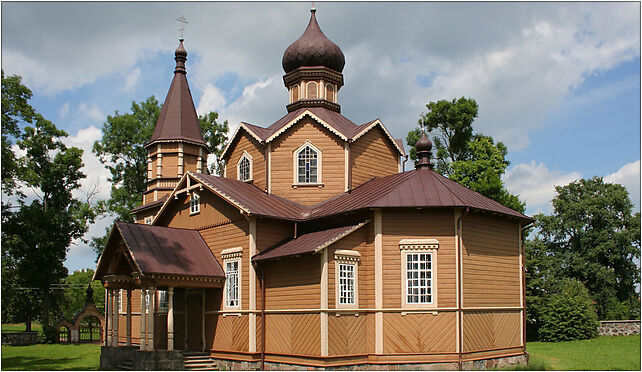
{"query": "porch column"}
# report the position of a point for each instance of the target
(108, 318)
(115, 311)
(143, 319)
(170, 318)
(129, 317)
(151, 319)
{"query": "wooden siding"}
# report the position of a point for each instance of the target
(214, 211)
(293, 283)
(297, 334)
(356, 241)
(245, 142)
(347, 334)
(140, 216)
(231, 235)
(490, 262)
(417, 224)
(491, 329)
(332, 163)
(271, 232)
(372, 155)
(228, 333)
(419, 333)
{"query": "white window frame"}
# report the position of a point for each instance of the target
(120, 301)
(295, 165)
(147, 297)
(230, 256)
(418, 247)
(194, 204)
(247, 156)
(352, 258)
(163, 305)
(149, 220)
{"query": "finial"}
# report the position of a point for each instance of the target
(180, 55)
(183, 22)
(423, 148)
(90, 294)
(313, 9)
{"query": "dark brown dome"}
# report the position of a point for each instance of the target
(313, 48)
(180, 51)
(424, 144)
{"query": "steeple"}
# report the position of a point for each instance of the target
(313, 67)
(177, 145)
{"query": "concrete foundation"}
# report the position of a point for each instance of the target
(160, 360)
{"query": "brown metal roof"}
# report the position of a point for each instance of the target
(178, 120)
(417, 188)
(308, 243)
(154, 204)
(166, 250)
(250, 198)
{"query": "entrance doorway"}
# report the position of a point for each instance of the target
(194, 321)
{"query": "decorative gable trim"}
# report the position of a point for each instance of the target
(405, 244)
(373, 124)
(231, 253)
(233, 138)
(298, 118)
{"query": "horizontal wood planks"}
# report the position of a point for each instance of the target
(270, 232)
(293, 283)
(490, 262)
(418, 224)
(419, 333)
(214, 211)
(332, 165)
(491, 329)
(293, 334)
(245, 142)
(357, 241)
(372, 155)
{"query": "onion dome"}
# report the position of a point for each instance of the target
(312, 49)
(424, 152)
(180, 55)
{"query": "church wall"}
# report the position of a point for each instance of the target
(372, 155)
(214, 211)
(419, 224)
(245, 142)
(293, 283)
(271, 232)
(490, 261)
(140, 216)
(357, 241)
(190, 163)
(333, 168)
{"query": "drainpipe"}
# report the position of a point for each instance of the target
(459, 284)
(263, 318)
(403, 165)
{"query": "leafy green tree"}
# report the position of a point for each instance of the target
(37, 235)
(450, 124)
(592, 236)
(122, 150)
(569, 315)
(75, 293)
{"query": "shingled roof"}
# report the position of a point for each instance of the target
(178, 120)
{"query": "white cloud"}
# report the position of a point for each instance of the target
(535, 184)
(212, 99)
(629, 177)
(131, 80)
(64, 110)
(97, 176)
(91, 111)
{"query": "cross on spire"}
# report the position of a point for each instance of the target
(183, 22)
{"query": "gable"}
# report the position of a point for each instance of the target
(246, 143)
(372, 155)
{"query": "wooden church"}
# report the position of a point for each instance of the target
(314, 249)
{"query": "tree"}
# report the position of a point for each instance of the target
(473, 160)
(37, 235)
(592, 236)
(452, 123)
(75, 293)
(122, 151)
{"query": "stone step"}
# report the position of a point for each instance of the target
(191, 357)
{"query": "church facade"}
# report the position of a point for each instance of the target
(313, 249)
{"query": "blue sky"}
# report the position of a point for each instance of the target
(558, 83)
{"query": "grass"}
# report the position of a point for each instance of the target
(602, 353)
(51, 357)
(20, 327)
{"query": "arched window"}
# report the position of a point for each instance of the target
(295, 93)
(312, 90)
(244, 167)
(308, 164)
(329, 92)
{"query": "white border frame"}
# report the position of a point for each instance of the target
(349, 258)
(191, 196)
(430, 246)
(230, 255)
(238, 167)
(295, 165)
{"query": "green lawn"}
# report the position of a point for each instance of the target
(51, 357)
(20, 327)
(602, 353)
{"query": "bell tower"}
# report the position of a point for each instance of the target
(177, 145)
(313, 68)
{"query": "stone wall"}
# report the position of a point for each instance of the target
(160, 360)
(19, 338)
(619, 327)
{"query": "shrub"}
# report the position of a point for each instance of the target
(570, 314)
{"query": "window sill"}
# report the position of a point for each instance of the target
(251, 180)
(194, 213)
(297, 185)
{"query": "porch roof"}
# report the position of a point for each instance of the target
(161, 250)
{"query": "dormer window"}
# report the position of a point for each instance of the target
(312, 90)
(329, 92)
(194, 204)
(244, 167)
(307, 161)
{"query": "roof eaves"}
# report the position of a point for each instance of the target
(129, 250)
(340, 236)
(220, 193)
(299, 117)
(169, 198)
(233, 137)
